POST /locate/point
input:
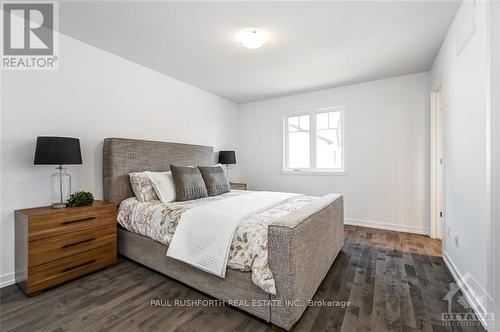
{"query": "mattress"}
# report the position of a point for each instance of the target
(249, 248)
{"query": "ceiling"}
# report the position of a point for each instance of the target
(313, 45)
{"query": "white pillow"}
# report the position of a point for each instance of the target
(163, 184)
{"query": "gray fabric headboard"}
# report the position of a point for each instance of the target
(122, 156)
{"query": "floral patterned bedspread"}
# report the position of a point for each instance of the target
(158, 221)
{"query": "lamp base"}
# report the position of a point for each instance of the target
(226, 168)
(58, 205)
(61, 188)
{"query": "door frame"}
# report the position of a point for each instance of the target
(493, 123)
(437, 213)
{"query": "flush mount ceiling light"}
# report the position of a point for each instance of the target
(252, 38)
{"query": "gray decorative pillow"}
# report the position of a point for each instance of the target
(215, 180)
(188, 182)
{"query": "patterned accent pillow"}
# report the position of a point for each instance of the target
(188, 182)
(142, 187)
(215, 180)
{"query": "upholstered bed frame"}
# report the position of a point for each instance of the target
(302, 246)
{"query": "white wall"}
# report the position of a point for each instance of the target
(387, 153)
(94, 95)
(465, 80)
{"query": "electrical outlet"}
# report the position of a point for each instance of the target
(457, 238)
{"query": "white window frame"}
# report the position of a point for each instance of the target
(313, 170)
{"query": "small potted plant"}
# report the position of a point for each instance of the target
(80, 198)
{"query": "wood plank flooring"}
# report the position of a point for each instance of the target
(393, 281)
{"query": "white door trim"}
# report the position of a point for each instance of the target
(436, 177)
(493, 124)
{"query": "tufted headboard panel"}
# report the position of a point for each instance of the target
(122, 156)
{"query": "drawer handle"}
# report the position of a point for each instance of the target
(77, 243)
(67, 222)
(77, 266)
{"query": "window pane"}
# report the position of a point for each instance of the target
(298, 123)
(322, 121)
(293, 123)
(329, 148)
(304, 122)
(334, 119)
(298, 150)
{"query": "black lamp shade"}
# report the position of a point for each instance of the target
(227, 157)
(57, 151)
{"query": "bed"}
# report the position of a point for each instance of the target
(301, 245)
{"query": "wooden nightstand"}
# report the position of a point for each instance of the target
(238, 186)
(57, 245)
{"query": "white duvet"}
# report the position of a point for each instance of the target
(204, 234)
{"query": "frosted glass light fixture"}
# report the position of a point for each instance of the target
(252, 38)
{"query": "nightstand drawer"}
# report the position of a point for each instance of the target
(64, 269)
(40, 227)
(56, 245)
(53, 248)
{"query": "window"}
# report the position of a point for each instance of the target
(314, 141)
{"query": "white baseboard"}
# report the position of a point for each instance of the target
(386, 226)
(7, 279)
(466, 290)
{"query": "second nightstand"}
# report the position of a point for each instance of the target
(238, 186)
(57, 245)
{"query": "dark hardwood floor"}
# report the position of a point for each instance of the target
(393, 281)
